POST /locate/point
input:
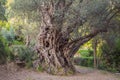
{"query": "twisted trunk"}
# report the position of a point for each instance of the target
(52, 55)
(51, 48)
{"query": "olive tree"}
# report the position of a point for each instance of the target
(65, 25)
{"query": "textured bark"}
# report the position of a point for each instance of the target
(51, 47)
(51, 53)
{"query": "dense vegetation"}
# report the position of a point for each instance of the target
(51, 36)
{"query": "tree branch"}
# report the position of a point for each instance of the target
(75, 48)
(111, 17)
(87, 37)
(75, 44)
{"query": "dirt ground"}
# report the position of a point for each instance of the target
(84, 74)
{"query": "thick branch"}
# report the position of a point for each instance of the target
(75, 44)
(91, 35)
(111, 17)
(75, 47)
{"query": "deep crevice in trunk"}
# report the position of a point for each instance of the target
(52, 56)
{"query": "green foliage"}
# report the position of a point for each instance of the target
(27, 5)
(2, 10)
(117, 46)
(39, 68)
(16, 42)
(111, 56)
(24, 54)
(85, 59)
(8, 34)
(26, 9)
(4, 50)
(86, 53)
(3, 2)
(4, 24)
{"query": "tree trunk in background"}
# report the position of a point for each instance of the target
(95, 52)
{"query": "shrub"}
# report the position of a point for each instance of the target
(84, 61)
(4, 50)
(111, 56)
(86, 53)
(11, 38)
(23, 54)
(8, 34)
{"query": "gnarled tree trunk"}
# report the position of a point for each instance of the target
(51, 47)
(52, 54)
(56, 49)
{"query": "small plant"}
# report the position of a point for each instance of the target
(39, 68)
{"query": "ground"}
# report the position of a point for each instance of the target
(83, 74)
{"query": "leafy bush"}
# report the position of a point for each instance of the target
(24, 54)
(111, 56)
(84, 61)
(11, 38)
(4, 50)
(8, 34)
(86, 53)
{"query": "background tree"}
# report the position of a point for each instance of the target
(2, 10)
(110, 49)
(62, 24)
